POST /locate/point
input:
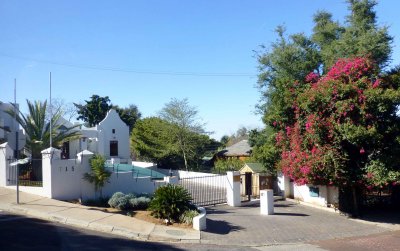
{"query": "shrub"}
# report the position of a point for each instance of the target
(121, 201)
(170, 202)
(113, 201)
(187, 217)
(222, 165)
(129, 201)
(99, 174)
(139, 203)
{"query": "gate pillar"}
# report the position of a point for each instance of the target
(233, 189)
(6, 154)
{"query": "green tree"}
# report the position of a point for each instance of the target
(151, 140)
(230, 164)
(99, 175)
(346, 131)
(186, 124)
(224, 140)
(242, 133)
(329, 41)
(263, 146)
(362, 36)
(95, 110)
(282, 83)
(37, 128)
(326, 34)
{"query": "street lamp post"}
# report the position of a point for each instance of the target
(16, 137)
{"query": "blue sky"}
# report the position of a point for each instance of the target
(147, 52)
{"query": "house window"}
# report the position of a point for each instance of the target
(113, 148)
(113, 130)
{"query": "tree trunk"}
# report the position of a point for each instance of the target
(356, 211)
(184, 158)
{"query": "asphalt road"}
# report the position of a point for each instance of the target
(23, 233)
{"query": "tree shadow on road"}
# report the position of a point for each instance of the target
(388, 215)
(221, 227)
(291, 214)
(216, 211)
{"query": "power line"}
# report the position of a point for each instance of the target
(137, 71)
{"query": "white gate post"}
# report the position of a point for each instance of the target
(171, 180)
(6, 154)
(233, 189)
(267, 201)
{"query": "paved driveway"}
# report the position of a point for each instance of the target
(291, 223)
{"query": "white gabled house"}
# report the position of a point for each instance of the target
(109, 138)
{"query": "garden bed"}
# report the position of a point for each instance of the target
(143, 215)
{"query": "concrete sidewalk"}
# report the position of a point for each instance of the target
(92, 218)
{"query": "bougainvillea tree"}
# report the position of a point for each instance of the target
(346, 131)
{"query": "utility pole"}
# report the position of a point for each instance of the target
(16, 137)
(51, 118)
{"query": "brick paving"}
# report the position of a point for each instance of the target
(385, 241)
(291, 223)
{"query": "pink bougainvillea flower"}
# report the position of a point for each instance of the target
(312, 77)
(376, 83)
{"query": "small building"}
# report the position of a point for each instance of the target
(240, 150)
(254, 178)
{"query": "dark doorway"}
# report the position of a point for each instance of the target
(113, 148)
(65, 150)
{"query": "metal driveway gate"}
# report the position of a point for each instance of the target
(30, 174)
(206, 190)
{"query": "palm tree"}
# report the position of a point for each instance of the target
(99, 175)
(37, 128)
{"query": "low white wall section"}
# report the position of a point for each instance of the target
(66, 179)
(63, 180)
(200, 221)
(32, 190)
(144, 164)
(327, 195)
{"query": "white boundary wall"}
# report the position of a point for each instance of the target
(328, 195)
(63, 179)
